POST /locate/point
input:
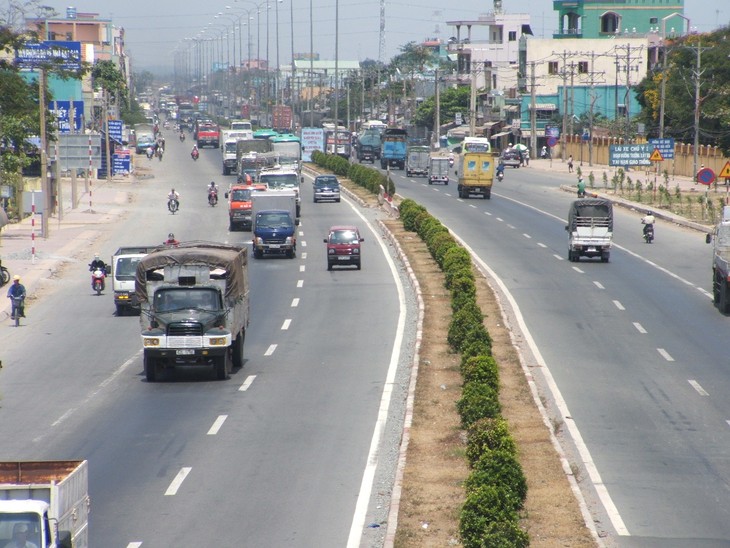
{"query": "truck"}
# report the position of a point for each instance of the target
(393, 148)
(123, 269)
(281, 118)
(438, 171)
(590, 229)
(229, 147)
(252, 163)
(288, 147)
(247, 146)
(281, 178)
(239, 205)
(721, 262)
(244, 125)
(475, 174)
(274, 223)
(194, 300)
(418, 160)
(48, 500)
(144, 135)
(207, 133)
(368, 146)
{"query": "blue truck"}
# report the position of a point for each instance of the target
(274, 223)
(393, 148)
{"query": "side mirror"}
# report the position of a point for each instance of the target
(325, 240)
(225, 195)
(567, 228)
(301, 180)
(456, 173)
(362, 239)
(708, 238)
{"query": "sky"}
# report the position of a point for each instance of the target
(155, 30)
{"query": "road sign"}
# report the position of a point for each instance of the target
(115, 130)
(39, 54)
(629, 155)
(725, 171)
(705, 176)
(552, 141)
(551, 131)
(665, 146)
(656, 156)
(74, 151)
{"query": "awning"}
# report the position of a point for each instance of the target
(503, 134)
(545, 106)
(511, 108)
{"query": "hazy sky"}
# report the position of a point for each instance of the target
(156, 28)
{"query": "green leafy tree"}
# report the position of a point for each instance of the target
(452, 101)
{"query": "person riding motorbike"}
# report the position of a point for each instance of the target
(182, 136)
(648, 222)
(544, 152)
(212, 193)
(451, 159)
(97, 263)
(150, 152)
(194, 153)
(171, 241)
(172, 195)
(500, 170)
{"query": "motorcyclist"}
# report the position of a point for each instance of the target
(150, 152)
(451, 159)
(17, 290)
(172, 195)
(544, 152)
(182, 135)
(194, 153)
(97, 263)
(212, 192)
(500, 169)
(581, 188)
(648, 222)
(171, 241)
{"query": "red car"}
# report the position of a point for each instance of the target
(343, 246)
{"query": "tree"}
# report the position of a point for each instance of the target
(452, 101)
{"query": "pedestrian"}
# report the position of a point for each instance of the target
(581, 188)
(570, 164)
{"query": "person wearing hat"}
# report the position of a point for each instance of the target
(20, 537)
(17, 289)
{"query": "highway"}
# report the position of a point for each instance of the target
(630, 356)
(286, 452)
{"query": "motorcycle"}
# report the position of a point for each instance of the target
(182, 137)
(500, 175)
(18, 309)
(98, 276)
(159, 153)
(451, 162)
(4, 275)
(212, 197)
(649, 233)
(173, 205)
(150, 153)
(194, 155)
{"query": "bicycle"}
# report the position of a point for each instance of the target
(17, 309)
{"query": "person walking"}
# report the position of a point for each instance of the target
(570, 164)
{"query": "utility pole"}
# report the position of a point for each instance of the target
(44, 152)
(697, 73)
(437, 112)
(533, 113)
(632, 55)
(473, 101)
(563, 73)
(572, 96)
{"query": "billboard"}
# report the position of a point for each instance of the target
(32, 55)
(312, 139)
(62, 111)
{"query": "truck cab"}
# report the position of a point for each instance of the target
(283, 179)
(239, 205)
(124, 266)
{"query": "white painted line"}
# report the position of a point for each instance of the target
(578, 270)
(295, 302)
(177, 482)
(217, 425)
(285, 325)
(435, 189)
(599, 285)
(511, 226)
(134, 545)
(472, 205)
(302, 268)
(488, 213)
(304, 243)
(558, 257)
(541, 245)
(270, 350)
(447, 194)
(527, 236)
(460, 200)
(247, 383)
(618, 305)
(640, 328)
(304, 255)
(500, 219)
(300, 283)
(701, 391)
(301, 233)
(665, 354)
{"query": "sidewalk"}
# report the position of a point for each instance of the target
(70, 239)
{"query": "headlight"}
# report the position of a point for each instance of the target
(151, 342)
(289, 240)
(218, 341)
(258, 241)
(355, 251)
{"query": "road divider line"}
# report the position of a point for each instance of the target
(558, 257)
(578, 270)
(177, 482)
(665, 354)
(302, 267)
(247, 383)
(295, 302)
(304, 255)
(618, 305)
(472, 205)
(701, 391)
(540, 244)
(640, 328)
(527, 236)
(300, 283)
(217, 425)
(304, 243)
(134, 545)
(270, 350)
(285, 325)
(599, 285)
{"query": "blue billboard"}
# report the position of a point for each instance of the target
(32, 55)
(62, 111)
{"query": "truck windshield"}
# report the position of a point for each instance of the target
(126, 268)
(273, 220)
(241, 195)
(21, 528)
(280, 181)
(231, 147)
(169, 300)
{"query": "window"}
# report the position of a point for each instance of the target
(653, 20)
(582, 67)
(553, 67)
(512, 36)
(610, 22)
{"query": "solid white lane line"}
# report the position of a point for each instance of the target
(665, 354)
(295, 302)
(270, 350)
(177, 482)
(578, 270)
(285, 325)
(701, 391)
(247, 383)
(639, 328)
(619, 305)
(300, 283)
(217, 425)
(599, 285)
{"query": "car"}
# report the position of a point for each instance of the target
(511, 157)
(343, 246)
(326, 187)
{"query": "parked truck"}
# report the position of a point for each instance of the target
(721, 262)
(123, 269)
(48, 500)
(195, 307)
(590, 229)
(274, 223)
(393, 148)
(438, 172)
(418, 160)
(475, 174)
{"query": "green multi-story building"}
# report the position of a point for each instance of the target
(609, 18)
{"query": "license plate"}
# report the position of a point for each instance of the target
(274, 246)
(344, 258)
(186, 352)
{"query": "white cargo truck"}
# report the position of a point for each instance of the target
(123, 269)
(47, 502)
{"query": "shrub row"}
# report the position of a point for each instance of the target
(496, 487)
(366, 177)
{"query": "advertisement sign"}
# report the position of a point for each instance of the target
(312, 139)
(67, 55)
(121, 162)
(115, 130)
(665, 146)
(62, 110)
(630, 155)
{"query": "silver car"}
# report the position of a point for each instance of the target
(326, 187)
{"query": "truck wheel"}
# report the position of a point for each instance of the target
(724, 304)
(292, 253)
(604, 257)
(120, 310)
(715, 289)
(223, 366)
(258, 254)
(238, 350)
(150, 369)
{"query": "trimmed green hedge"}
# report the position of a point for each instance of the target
(366, 177)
